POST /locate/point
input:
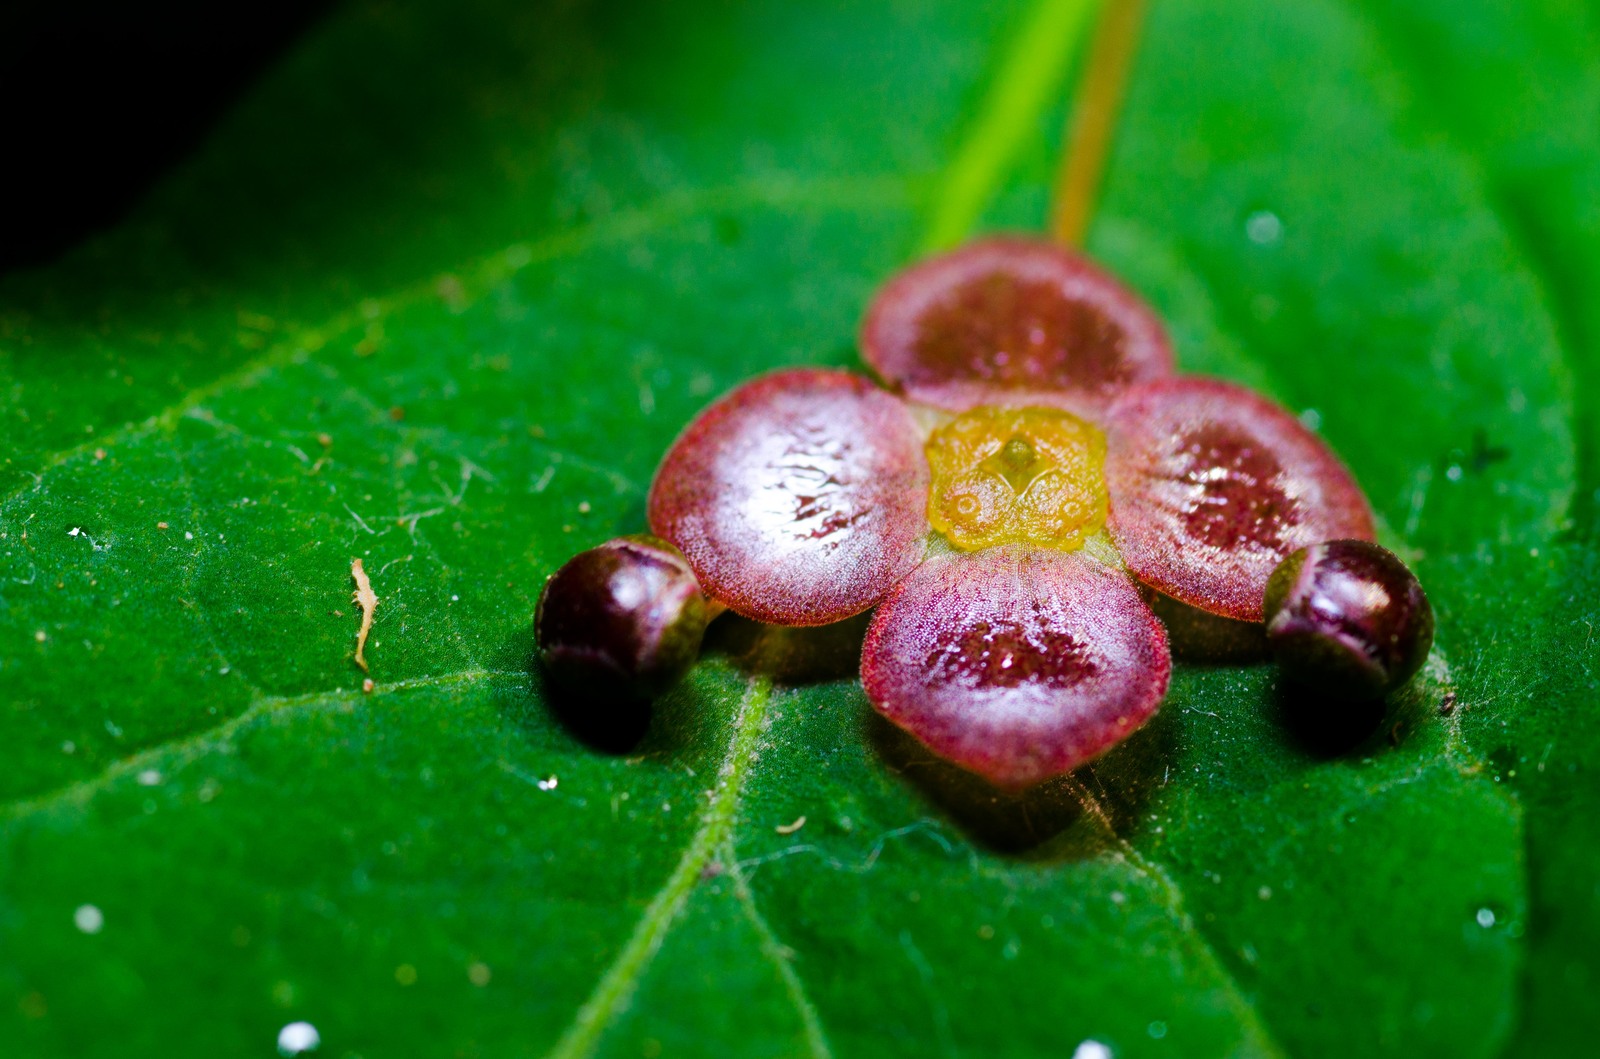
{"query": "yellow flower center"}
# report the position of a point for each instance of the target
(1017, 476)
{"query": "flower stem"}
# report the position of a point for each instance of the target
(1094, 118)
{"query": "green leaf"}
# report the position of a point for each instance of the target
(438, 295)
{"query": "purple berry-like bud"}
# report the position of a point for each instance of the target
(622, 621)
(1348, 618)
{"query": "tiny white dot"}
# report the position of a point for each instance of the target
(1091, 1050)
(149, 778)
(298, 1037)
(1485, 918)
(1263, 227)
(89, 919)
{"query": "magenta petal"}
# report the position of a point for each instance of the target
(1212, 486)
(1012, 321)
(799, 498)
(1016, 663)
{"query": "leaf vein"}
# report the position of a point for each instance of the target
(1254, 1026)
(482, 274)
(781, 958)
(195, 745)
(615, 989)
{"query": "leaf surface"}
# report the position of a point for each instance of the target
(440, 293)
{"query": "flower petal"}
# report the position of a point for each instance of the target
(1212, 486)
(799, 498)
(1012, 321)
(1016, 663)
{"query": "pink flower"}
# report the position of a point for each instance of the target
(1034, 473)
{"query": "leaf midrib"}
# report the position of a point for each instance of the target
(713, 832)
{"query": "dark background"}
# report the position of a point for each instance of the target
(98, 99)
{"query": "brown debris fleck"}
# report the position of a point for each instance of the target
(367, 685)
(367, 600)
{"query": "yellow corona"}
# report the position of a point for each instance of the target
(1017, 476)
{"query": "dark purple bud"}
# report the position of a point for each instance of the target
(622, 621)
(1348, 618)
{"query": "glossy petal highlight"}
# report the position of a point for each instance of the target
(1017, 663)
(1012, 321)
(798, 499)
(1212, 486)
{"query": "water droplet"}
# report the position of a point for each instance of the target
(1263, 227)
(549, 784)
(1485, 918)
(1156, 1030)
(89, 919)
(1091, 1050)
(298, 1037)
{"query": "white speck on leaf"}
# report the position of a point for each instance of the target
(298, 1037)
(1263, 228)
(89, 919)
